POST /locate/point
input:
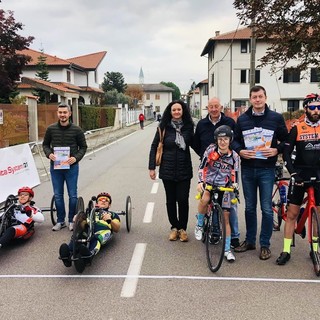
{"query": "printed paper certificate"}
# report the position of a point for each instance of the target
(257, 139)
(62, 155)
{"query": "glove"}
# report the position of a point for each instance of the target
(28, 211)
(297, 179)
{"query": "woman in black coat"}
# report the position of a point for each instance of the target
(176, 166)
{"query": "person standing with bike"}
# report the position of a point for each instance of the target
(64, 140)
(218, 168)
(259, 137)
(203, 137)
(305, 137)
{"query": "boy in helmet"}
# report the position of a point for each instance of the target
(106, 222)
(219, 167)
(25, 215)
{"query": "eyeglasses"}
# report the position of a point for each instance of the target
(312, 107)
(24, 194)
(224, 139)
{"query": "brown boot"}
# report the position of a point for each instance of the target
(183, 235)
(174, 235)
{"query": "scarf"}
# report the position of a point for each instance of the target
(177, 125)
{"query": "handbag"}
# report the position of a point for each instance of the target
(160, 147)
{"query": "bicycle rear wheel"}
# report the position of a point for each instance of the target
(215, 239)
(278, 207)
(315, 243)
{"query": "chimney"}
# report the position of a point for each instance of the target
(217, 33)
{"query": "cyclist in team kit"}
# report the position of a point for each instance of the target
(219, 167)
(305, 136)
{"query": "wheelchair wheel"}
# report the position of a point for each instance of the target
(53, 211)
(90, 207)
(128, 213)
(6, 219)
(11, 199)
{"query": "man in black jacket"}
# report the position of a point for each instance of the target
(203, 137)
(65, 145)
(259, 137)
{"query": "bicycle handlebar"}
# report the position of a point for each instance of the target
(215, 188)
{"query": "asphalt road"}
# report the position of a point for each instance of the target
(142, 275)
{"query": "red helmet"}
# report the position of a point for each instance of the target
(104, 194)
(26, 189)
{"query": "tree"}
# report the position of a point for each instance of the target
(11, 62)
(135, 93)
(113, 80)
(43, 74)
(291, 27)
(176, 94)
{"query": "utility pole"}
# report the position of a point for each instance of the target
(253, 56)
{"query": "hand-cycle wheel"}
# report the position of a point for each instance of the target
(315, 241)
(6, 218)
(53, 211)
(215, 239)
(128, 213)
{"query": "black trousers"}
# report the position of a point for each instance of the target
(177, 194)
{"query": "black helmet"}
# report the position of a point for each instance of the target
(223, 131)
(310, 98)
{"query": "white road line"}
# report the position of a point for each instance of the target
(155, 187)
(153, 277)
(148, 213)
(130, 284)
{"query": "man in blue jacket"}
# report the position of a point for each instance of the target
(203, 137)
(259, 137)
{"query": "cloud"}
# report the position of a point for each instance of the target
(165, 37)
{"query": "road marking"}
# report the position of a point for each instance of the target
(148, 213)
(130, 284)
(163, 277)
(155, 187)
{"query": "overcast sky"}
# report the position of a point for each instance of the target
(163, 37)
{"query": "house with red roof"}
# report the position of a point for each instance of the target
(72, 78)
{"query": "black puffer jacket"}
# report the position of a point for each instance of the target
(63, 136)
(176, 163)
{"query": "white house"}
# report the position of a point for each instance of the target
(78, 75)
(203, 97)
(228, 73)
(156, 96)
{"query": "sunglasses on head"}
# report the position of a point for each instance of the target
(312, 107)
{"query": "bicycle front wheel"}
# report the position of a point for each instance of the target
(215, 239)
(315, 244)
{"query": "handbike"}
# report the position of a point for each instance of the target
(83, 230)
(7, 214)
(215, 228)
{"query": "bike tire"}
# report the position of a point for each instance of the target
(215, 251)
(128, 213)
(315, 241)
(278, 208)
(6, 219)
(80, 205)
(53, 211)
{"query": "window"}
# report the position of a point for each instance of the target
(68, 76)
(244, 46)
(293, 105)
(157, 97)
(315, 75)
(239, 104)
(212, 80)
(291, 75)
(205, 89)
(147, 96)
(243, 76)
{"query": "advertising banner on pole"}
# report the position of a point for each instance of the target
(17, 169)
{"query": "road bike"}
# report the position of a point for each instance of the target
(310, 213)
(215, 228)
(279, 197)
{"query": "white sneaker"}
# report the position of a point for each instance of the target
(58, 226)
(198, 232)
(71, 226)
(229, 256)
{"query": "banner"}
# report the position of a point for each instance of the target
(17, 169)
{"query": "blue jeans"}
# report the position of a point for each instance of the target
(252, 180)
(70, 176)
